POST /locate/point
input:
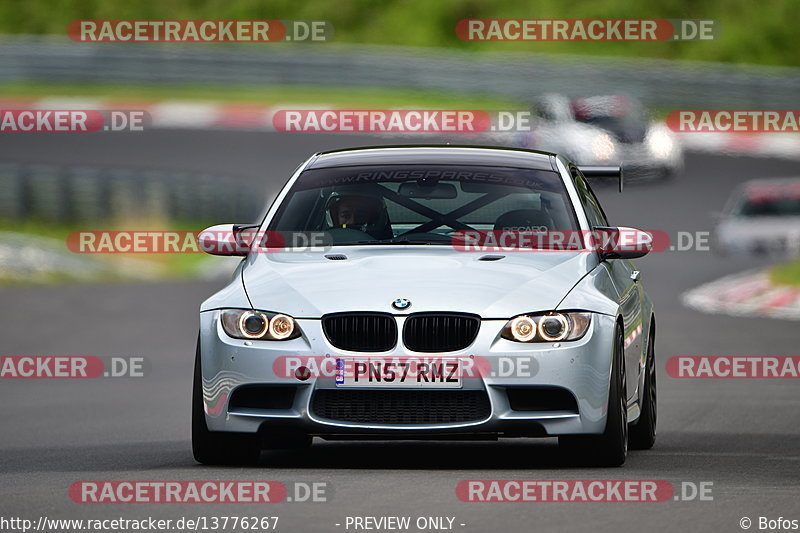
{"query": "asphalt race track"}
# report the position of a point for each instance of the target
(742, 435)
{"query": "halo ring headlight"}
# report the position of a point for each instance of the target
(249, 324)
(550, 326)
(546, 323)
(281, 327)
(523, 328)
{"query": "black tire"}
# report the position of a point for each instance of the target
(611, 447)
(643, 433)
(215, 447)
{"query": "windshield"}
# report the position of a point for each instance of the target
(422, 204)
(623, 118)
(770, 200)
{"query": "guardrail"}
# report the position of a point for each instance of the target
(663, 84)
(90, 194)
(80, 194)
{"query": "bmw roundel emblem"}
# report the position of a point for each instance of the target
(401, 303)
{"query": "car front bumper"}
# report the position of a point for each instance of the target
(581, 368)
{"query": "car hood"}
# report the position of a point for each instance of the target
(309, 285)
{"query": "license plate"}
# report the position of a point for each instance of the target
(399, 373)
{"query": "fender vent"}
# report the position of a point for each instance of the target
(491, 257)
(336, 257)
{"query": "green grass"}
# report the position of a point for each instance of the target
(356, 97)
(166, 266)
(751, 32)
(39, 228)
(786, 274)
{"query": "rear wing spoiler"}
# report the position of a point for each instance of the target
(603, 172)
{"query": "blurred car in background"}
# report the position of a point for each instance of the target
(605, 130)
(761, 217)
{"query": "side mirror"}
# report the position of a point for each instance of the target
(227, 239)
(621, 242)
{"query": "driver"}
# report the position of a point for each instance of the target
(364, 213)
(354, 211)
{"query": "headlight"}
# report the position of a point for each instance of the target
(553, 327)
(253, 324)
(660, 143)
(603, 147)
(258, 325)
(522, 328)
(547, 327)
(281, 327)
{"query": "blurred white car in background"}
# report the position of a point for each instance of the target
(605, 130)
(762, 217)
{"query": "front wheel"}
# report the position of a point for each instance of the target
(216, 447)
(611, 447)
(643, 433)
